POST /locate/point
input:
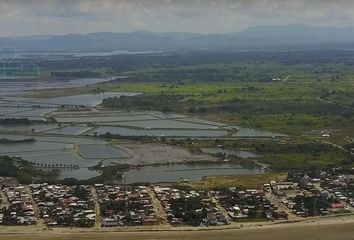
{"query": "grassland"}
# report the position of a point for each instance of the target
(245, 181)
(286, 107)
(295, 153)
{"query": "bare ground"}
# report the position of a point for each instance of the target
(153, 153)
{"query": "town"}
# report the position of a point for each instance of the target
(301, 195)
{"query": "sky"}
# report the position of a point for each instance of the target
(58, 17)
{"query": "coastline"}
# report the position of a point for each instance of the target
(310, 228)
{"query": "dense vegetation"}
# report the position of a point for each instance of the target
(163, 102)
(8, 168)
(109, 174)
(22, 170)
(8, 141)
(204, 65)
(15, 121)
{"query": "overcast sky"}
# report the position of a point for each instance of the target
(31, 17)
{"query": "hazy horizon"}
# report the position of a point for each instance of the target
(57, 17)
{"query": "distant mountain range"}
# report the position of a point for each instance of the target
(294, 36)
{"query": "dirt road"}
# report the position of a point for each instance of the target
(97, 208)
(160, 212)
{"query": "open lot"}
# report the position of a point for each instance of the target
(247, 181)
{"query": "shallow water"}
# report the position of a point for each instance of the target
(78, 100)
(101, 151)
(178, 172)
(159, 133)
(24, 112)
(16, 148)
(166, 124)
(27, 128)
(64, 157)
(60, 151)
(106, 120)
(69, 130)
(201, 121)
(15, 87)
(167, 173)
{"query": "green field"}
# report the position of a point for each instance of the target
(285, 107)
(247, 181)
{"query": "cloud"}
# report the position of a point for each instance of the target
(29, 17)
